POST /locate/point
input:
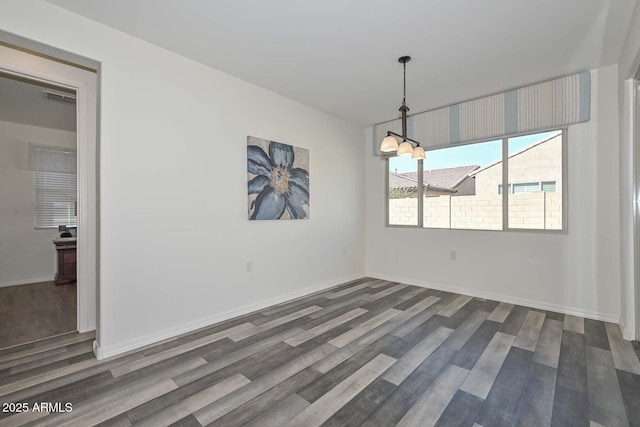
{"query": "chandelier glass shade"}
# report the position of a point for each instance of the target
(389, 144)
(405, 148)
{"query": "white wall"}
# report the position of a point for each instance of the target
(628, 65)
(173, 207)
(27, 255)
(578, 272)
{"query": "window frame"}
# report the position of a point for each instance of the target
(505, 196)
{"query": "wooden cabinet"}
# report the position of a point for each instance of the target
(66, 253)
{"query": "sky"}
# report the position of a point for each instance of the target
(472, 154)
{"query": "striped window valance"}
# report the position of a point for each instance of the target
(542, 106)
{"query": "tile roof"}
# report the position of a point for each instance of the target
(403, 180)
(446, 178)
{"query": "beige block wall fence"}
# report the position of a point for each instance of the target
(535, 210)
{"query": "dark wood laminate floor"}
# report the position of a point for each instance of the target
(369, 352)
(35, 311)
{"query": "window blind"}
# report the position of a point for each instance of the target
(55, 185)
(539, 107)
(46, 158)
(55, 199)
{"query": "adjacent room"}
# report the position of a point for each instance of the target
(38, 157)
(243, 213)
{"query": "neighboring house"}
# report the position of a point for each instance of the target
(537, 167)
(437, 182)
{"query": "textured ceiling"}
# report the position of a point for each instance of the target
(340, 56)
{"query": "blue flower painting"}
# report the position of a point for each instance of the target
(278, 177)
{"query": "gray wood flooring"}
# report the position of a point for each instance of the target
(36, 311)
(369, 352)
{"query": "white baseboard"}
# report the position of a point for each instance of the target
(26, 281)
(139, 342)
(500, 297)
(628, 333)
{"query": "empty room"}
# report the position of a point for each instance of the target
(306, 213)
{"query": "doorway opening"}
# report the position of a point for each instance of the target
(51, 163)
(38, 295)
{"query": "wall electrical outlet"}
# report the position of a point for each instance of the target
(453, 255)
(344, 250)
(249, 266)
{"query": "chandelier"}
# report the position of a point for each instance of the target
(390, 144)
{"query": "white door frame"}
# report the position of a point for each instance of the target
(635, 108)
(85, 83)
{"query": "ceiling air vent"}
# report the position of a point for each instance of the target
(59, 97)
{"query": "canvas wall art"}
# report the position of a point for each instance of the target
(278, 180)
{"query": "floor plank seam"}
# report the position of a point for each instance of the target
(368, 352)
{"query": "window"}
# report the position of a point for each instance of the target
(509, 188)
(55, 185)
(461, 187)
(529, 187)
(452, 199)
(403, 191)
(535, 168)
